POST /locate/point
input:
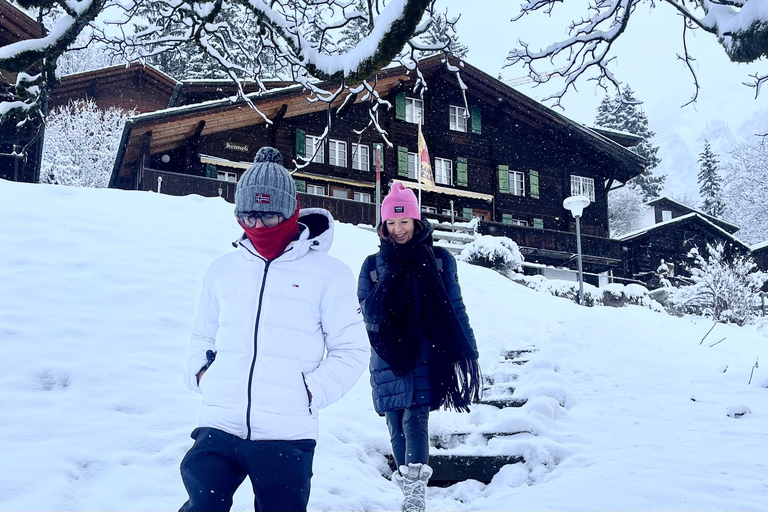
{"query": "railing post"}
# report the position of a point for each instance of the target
(159, 183)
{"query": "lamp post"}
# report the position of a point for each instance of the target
(576, 205)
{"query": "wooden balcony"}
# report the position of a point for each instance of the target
(175, 184)
(557, 248)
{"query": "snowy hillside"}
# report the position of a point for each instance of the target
(626, 410)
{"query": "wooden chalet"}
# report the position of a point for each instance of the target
(671, 240)
(16, 26)
(664, 208)
(133, 86)
(760, 255)
(507, 160)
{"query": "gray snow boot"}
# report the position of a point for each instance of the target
(415, 477)
(398, 479)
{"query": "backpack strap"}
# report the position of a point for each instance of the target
(374, 276)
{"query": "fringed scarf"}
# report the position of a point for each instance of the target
(415, 302)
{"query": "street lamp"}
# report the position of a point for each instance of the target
(576, 205)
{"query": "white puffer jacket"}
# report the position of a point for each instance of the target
(270, 324)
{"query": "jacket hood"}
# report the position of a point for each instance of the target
(316, 233)
(319, 228)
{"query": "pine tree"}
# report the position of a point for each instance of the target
(623, 112)
(710, 181)
(440, 32)
(355, 30)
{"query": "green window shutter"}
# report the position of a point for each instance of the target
(506, 218)
(475, 118)
(402, 161)
(301, 185)
(301, 142)
(400, 106)
(466, 213)
(211, 171)
(534, 180)
(538, 223)
(461, 172)
(504, 179)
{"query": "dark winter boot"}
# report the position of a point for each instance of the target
(415, 478)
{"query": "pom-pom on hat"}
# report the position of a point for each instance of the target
(266, 186)
(400, 202)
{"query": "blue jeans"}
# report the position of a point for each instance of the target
(218, 462)
(409, 433)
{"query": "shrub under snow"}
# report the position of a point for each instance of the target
(81, 144)
(727, 291)
(496, 252)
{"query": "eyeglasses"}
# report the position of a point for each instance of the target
(269, 219)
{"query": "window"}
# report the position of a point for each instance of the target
(508, 219)
(317, 190)
(363, 197)
(666, 215)
(361, 157)
(443, 171)
(414, 110)
(312, 144)
(341, 193)
(413, 160)
(428, 209)
(458, 118)
(227, 176)
(337, 153)
(581, 186)
(516, 183)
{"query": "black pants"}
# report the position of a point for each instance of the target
(409, 434)
(218, 462)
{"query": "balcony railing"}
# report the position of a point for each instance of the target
(176, 184)
(555, 241)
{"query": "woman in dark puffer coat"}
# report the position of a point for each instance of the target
(424, 352)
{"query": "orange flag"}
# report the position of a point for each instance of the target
(425, 168)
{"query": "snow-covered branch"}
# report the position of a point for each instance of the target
(343, 42)
(740, 26)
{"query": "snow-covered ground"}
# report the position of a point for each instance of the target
(627, 409)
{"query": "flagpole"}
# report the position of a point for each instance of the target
(418, 170)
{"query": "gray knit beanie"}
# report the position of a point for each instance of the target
(266, 186)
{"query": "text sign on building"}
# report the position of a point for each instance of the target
(242, 148)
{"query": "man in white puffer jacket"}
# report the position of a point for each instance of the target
(267, 315)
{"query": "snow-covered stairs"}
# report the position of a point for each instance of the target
(498, 431)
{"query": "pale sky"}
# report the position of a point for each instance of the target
(725, 112)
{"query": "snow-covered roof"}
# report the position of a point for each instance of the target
(760, 246)
(617, 135)
(652, 202)
(678, 220)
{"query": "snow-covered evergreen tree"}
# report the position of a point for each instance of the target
(709, 182)
(724, 289)
(623, 112)
(625, 210)
(81, 144)
(746, 191)
(440, 33)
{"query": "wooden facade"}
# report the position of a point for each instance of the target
(16, 26)
(135, 86)
(665, 209)
(672, 241)
(511, 163)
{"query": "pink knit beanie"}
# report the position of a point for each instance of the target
(400, 202)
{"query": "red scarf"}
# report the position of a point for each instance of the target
(271, 242)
